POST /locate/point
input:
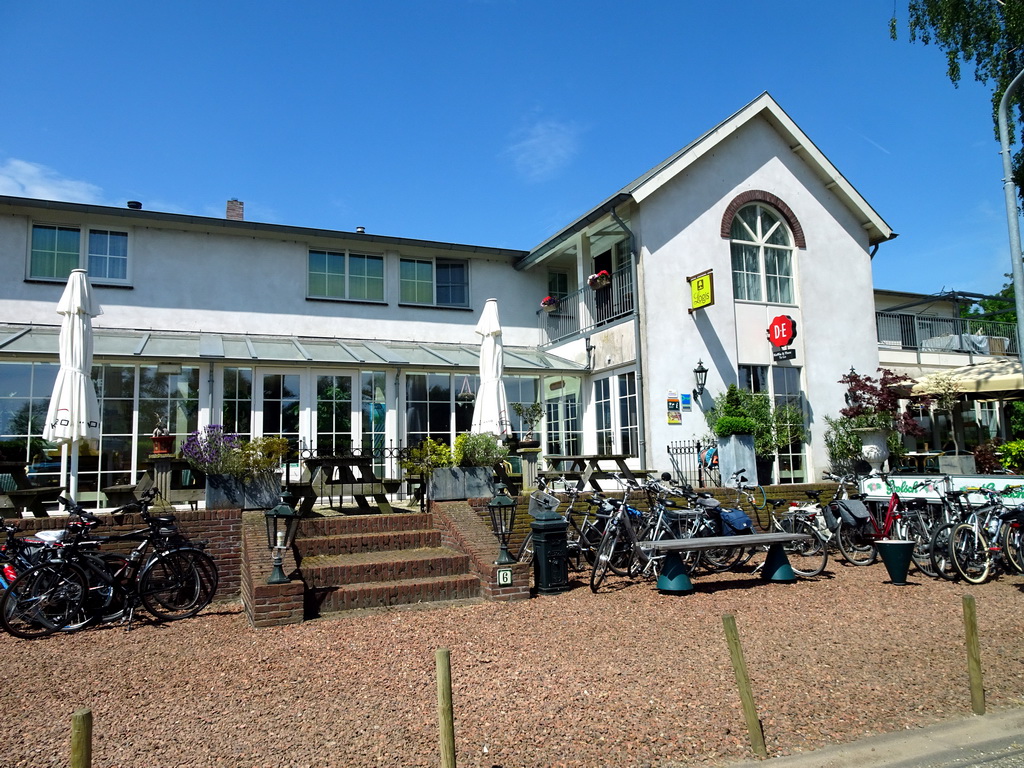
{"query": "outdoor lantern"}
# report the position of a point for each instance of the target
(503, 516)
(700, 376)
(281, 524)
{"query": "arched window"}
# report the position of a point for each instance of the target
(762, 256)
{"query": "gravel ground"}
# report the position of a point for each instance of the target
(628, 677)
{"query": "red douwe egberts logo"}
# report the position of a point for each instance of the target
(782, 331)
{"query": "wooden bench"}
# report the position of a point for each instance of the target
(674, 579)
(34, 500)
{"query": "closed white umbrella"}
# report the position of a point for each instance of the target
(490, 411)
(74, 413)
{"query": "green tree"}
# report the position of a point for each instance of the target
(985, 34)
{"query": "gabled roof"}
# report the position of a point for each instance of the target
(764, 107)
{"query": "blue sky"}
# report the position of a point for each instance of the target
(489, 122)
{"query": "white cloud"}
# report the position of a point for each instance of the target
(544, 149)
(21, 178)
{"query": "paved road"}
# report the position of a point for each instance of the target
(995, 740)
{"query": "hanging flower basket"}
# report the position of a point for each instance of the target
(549, 304)
(599, 280)
(466, 393)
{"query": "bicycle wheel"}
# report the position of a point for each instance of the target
(104, 600)
(969, 551)
(938, 550)
(807, 558)
(603, 556)
(525, 553)
(757, 497)
(1012, 548)
(855, 548)
(922, 554)
(43, 600)
(177, 584)
(722, 558)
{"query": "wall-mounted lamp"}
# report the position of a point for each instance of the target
(700, 376)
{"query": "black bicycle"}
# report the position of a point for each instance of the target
(76, 585)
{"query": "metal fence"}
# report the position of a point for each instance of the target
(929, 333)
(690, 463)
(387, 461)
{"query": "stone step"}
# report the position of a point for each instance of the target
(380, 566)
(339, 525)
(391, 593)
(370, 541)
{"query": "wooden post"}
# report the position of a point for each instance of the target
(445, 712)
(739, 667)
(81, 739)
(974, 656)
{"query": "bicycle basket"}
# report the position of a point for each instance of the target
(542, 504)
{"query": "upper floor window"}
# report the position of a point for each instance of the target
(440, 282)
(57, 250)
(762, 256)
(345, 275)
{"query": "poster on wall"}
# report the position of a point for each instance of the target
(675, 416)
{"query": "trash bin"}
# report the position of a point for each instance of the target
(550, 555)
(550, 545)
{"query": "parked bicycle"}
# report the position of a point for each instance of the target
(583, 534)
(74, 585)
(989, 541)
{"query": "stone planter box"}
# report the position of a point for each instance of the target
(258, 492)
(736, 452)
(454, 483)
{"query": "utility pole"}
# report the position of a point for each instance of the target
(1012, 219)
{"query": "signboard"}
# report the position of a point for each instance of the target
(781, 332)
(702, 290)
(504, 577)
(877, 489)
(675, 416)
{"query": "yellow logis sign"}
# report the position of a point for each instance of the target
(702, 290)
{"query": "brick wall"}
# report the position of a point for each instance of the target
(463, 529)
(267, 605)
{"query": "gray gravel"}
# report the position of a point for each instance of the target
(628, 677)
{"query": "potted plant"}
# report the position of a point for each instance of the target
(239, 474)
(163, 443)
(463, 473)
(735, 432)
(872, 422)
(948, 398)
(599, 280)
(549, 304)
(774, 428)
(530, 414)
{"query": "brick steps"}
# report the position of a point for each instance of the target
(373, 561)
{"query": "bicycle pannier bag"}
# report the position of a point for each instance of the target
(736, 522)
(853, 512)
(831, 521)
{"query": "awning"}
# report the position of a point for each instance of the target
(996, 380)
(116, 345)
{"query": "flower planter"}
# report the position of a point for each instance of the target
(874, 447)
(455, 483)
(163, 445)
(736, 452)
(261, 491)
(549, 308)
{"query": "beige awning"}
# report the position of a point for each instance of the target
(996, 380)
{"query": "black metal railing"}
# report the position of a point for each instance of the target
(690, 463)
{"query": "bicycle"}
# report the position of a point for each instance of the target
(74, 586)
(582, 537)
(980, 546)
(754, 494)
(809, 557)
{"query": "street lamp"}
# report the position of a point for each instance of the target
(700, 376)
(503, 516)
(281, 525)
(1012, 216)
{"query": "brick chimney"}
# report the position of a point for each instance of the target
(236, 210)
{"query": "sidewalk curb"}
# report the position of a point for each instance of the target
(952, 742)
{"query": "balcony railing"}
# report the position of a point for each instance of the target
(586, 309)
(927, 333)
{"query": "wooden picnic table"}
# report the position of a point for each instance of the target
(349, 475)
(25, 496)
(587, 469)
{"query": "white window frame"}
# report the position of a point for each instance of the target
(761, 241)
(83, 231)
(609, 412)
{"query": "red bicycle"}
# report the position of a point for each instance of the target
(859, 530)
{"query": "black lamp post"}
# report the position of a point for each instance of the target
(700, 376)
(503, 516)
(281, 525)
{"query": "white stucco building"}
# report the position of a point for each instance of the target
(354, 339)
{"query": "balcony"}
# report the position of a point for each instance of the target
(587, 309)
(946, 335)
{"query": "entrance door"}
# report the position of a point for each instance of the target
(278, 404)
(334, 419)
